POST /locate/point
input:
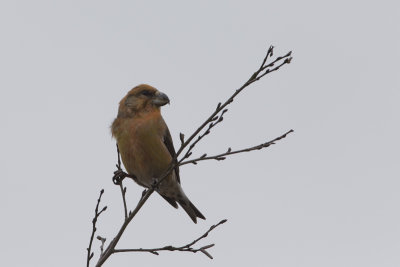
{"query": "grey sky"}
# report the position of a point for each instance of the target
(328, 195)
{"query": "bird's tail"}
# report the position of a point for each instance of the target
(190, 209)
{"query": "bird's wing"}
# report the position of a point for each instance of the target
(170, 146)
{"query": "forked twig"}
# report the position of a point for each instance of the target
(97, 214)
(215, 118)
(229, 152)
(185, 248)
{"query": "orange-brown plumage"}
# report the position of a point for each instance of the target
(146, 145)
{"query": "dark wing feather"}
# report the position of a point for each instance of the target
(170, 146)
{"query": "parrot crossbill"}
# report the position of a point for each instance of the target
(146, 147)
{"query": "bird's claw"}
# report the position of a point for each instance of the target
(119, 176)
(154, 184)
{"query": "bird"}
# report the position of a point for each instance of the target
(146, 146)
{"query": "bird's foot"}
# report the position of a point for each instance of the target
(154, 184)
(119, 176)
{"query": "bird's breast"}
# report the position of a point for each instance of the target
(142, 148)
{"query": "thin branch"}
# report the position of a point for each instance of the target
(185, 248)
(123, 192)
(212, 124)
(229, 152)
(119, 158)
(111, 246)
(270, 53)
(286, 61)
(119, 175)
(263, 69)
(97, 214)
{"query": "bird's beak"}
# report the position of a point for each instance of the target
(160, 99)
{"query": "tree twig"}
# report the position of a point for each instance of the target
(123, 193)
(111, 246)
(185, 248)
(215, 118)
(97, 214)
(263, 70)
(229, 152)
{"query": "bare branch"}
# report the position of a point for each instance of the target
(185, 248)
(216, 120)
(261, 72)
(222, 156)
(111, 246)
(119, 159)
(182, 138)
(119, 175)
(97, 214)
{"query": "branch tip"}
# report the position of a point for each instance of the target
(208, 246)
(206, 253)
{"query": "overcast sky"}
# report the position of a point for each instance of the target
(327, 195)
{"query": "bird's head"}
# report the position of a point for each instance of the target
(142, 98)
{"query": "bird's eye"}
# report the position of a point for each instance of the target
(147, 93)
